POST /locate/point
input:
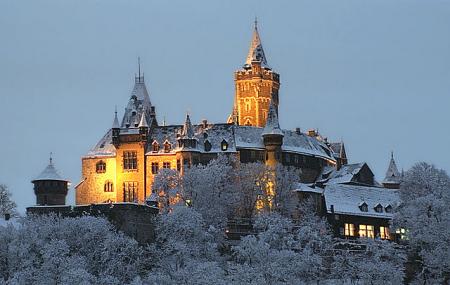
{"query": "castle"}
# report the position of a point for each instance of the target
(122, 165)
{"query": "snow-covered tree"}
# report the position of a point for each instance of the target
(166, 185)
(7, 205)
(425, 214)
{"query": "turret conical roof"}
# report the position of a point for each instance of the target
(188, 130)
(116, 121)
(49, 173)
(392, 173)
(256, 51)
(143, 123)
(272, 124)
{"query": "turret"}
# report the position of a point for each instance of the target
(49, 187)
(143, 128)
(186, 139)
(272, 137)
(256, 86)
(393, 177)
(115, 130)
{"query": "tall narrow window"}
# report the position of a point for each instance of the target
(349, 230)
(167, 147)
(108, 187)
(248, 105)
(155, 167)
(366, 231)
(384, 233)
(129, 160)
(130, 191)
(100, 167)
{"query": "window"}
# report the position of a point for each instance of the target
(178, 165)
(100, 167)
(378, 208)
(207, 146)
(108, 187)
(167, 147)
(224, 145)
(248, 105)
(166, 164)
(388, 209)
(349, 230)
(384, 233)
(129, 160)
(363, 207)
(155, 167)
(130, 191)
(155, 147)
(366, 231)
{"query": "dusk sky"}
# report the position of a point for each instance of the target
(375, 74)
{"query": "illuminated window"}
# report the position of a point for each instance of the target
(207, 146)
(108, 187)
(248, 105)
(100, 167)
(349, 230)
(129, 160)
(224, 145)
(402, 233)
(167, 147)
(130, 191)
(155, 167)
(366, 231)
(166, 164)
(363, 207)
(378, 208)
(384, 233)
(155, 147)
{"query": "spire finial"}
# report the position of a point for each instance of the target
(51, 159)
(256, 23)
(115, 110)
(392, 154)
(139, 66)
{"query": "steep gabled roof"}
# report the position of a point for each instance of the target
(256, 52)
(138, 103)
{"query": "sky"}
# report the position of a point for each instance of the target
(375, 74)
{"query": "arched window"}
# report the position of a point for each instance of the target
(100, 167)
(155, 146)
(108, 187)
(224, 145)
(167, 146)
(207, 145)
(248, 122)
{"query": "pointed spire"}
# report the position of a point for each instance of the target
(143, 123)
(116, 120)
(49, 173)
(272, 124)
(51, 159)
(256, 52)
(392, 173)
(188, 130)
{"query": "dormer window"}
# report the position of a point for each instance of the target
(207, 145)
(363, 207)
(167, 146)
(378, 208)
(388, 209)
(155, 146)
(224, 145)
(100, 167)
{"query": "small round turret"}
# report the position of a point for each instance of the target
(49, 187)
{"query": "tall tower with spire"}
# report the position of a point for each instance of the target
(256, 85)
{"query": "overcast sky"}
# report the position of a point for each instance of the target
(373, 73)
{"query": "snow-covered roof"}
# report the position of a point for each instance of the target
(103, 148)
(116, 121)
(345, 174)
(215, 134)
(338, 149)
(138, 103)
(346, 199)
(187, 131)
(272, 124)
(49, 173)
(302, 187)
(392, 174)
(143, 122)
(256, 51)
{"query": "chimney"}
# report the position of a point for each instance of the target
(204, 123)
(297, 131)
(312, 133)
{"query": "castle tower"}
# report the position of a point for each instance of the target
(393, 177)
(272, 137)
(49, 188)
(256, 85)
